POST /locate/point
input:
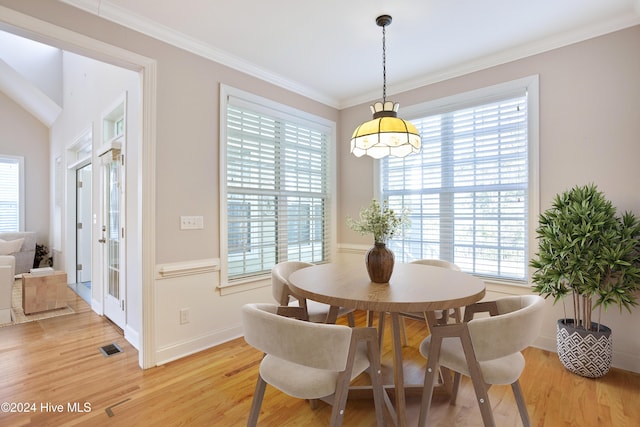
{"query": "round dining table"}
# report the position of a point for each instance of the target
(412, 288)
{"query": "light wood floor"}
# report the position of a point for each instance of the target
(57, 362)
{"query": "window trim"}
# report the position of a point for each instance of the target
(21, 189)
(486, 95)
(269, 106)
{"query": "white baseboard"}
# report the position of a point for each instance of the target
(96, 306)
(132, 337)
(182, 349)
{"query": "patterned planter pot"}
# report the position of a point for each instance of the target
(586, 353)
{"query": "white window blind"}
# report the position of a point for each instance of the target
(467, 190)
(277, 189)
(10, 193)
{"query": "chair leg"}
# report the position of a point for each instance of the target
(403, 332)
(522, 406)
(445, 377)
(429, 383)
(375, 373)
(339, 400)
(480, 387)
(257, 402)
(351, 319)
(485, 405)
(455, 387)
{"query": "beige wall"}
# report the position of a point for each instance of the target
(21, 134)
(187, 181)
(589, 101)
(589, 132)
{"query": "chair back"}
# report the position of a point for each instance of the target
(317, 345)
(437, 263)
(280, 279)
(515, 327)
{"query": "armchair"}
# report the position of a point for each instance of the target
(7, 272)
(310, 360)
(316, 311)
(486, 349)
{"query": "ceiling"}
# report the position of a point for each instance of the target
(331, 50)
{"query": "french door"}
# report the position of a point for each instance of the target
(112, 236)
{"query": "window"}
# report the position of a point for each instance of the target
(275, 171)
(471, 190)
(11, 194)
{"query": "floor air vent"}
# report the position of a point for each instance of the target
(110, 350)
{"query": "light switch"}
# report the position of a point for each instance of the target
(191, 222)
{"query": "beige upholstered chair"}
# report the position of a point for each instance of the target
(317, 312)
(487, 349)
(7, 272)
(310, 360)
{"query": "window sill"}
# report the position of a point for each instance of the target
(244, 286)
(498, 288)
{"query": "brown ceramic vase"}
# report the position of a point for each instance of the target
(380, 260)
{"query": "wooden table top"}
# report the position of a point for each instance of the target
(412, 288)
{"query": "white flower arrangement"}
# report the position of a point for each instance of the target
(381, 221)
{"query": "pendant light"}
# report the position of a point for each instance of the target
(386, 134)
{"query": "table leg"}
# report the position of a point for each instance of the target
(398, 372)
(332, 315)
(381, 321)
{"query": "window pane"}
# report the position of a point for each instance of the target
(9, 194)
(277, 191)
(467, 190)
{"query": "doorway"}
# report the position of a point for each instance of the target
(141, 241)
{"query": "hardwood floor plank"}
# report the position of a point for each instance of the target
(57, 362)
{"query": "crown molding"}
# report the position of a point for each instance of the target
(508, 55)
(121, 16)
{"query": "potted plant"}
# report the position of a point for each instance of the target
(384, 223)
(42, 255)
(590, 254)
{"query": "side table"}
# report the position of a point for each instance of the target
(42, 293)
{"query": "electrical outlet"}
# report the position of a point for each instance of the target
(184, 316)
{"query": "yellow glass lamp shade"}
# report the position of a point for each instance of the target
(385, 135)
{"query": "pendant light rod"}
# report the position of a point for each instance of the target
(383, 21)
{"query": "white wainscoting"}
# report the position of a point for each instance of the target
(213, 318)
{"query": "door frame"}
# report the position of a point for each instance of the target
(54, 35)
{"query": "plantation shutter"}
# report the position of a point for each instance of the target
(467, 190)
(277, 189)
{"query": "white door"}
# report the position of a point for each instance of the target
(112, 237)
